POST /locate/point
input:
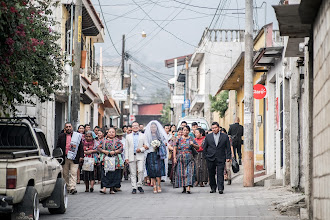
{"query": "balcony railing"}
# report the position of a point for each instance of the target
(233, 35)
(222, 35)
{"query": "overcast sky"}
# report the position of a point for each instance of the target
(185, 19)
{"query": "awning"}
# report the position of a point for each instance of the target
(86, 92)
(267, 56)
(197, 59)
(91, 22)
(198, 102)
(111, 106)
(235, 77)
(289, 21)
(308, 10)
(181, 61)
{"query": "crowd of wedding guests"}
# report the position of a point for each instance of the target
(148, 155)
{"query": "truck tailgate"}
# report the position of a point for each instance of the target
(3, 166)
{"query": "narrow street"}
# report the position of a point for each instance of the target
(237, 202)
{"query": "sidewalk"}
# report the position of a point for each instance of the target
(285, 200)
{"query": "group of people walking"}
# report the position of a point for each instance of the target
(186, 156)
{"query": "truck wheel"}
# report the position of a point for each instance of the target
(60, 189)
(29, 205)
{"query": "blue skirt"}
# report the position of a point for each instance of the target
(184, 171)
(155, 166)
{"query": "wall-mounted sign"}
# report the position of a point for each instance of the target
(259, 91)
(178, 99)
(187, 103)
(119, 95)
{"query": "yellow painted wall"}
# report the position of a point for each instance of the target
(260, 135)
(65, 16)
(260, 43)
(82, 113)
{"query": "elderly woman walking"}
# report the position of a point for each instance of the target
(112, 147)
(201, 166)
(89, 152)
(184, 159)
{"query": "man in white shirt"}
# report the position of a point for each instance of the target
(134, 148)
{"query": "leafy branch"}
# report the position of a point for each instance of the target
(219, 103)
(31, 61)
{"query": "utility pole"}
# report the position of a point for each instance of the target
(75, 111)
(130, 91)
(122, 82)
(70, 48)
(248, 162)
(187, 87)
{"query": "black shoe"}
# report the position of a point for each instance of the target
(240, 162)
(134, 191)
(162, 181)
(73, 191)
(213, 191)
(140, 190)
(184, 190)
(91, 190)
(220, 191)
(188, 192)
(229, 182)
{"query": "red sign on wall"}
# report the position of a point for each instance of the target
(259, 91)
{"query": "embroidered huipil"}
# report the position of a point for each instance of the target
(112, 145)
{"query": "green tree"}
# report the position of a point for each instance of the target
(219, 103)
(30, 58)
(166, 113)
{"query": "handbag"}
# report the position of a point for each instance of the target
(88, 164)
(235, 165)
(109, 164)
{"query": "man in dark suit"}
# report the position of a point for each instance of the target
(236, 132)
(70, 167)
(217, 153)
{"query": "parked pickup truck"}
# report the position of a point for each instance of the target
(29, 173)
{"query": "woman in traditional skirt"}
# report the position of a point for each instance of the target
(98, 143)
(156, 154)
(112, 147)
(81, 130)
(89, 151)
(184, 173)
(201, 166)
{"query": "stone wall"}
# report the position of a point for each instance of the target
(321, 109)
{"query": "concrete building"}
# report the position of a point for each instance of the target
(52, 115)
(306, 26)
(177, 87)
(216, 52)
(267, 62)
(149, 112)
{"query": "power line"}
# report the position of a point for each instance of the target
(140, 48)
(147, 67)
(146, 70)
(229, 9)
(106, 26)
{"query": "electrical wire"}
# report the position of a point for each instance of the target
(106, 26)
(153, 74)
(147, 67)
(150, 39)
(229, 9)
